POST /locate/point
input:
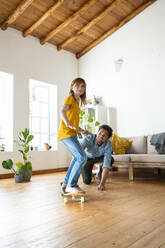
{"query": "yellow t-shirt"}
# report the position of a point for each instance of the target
(73, 117)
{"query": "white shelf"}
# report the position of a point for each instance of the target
(99, 112)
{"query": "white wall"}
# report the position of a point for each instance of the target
(136, 94)
(26, 59)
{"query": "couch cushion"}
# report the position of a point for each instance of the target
(139, 145)
(120, 145)
(147, 158)
(122, 158)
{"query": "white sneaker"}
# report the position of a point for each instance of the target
(73, 190)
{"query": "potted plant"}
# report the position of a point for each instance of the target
(23, 169)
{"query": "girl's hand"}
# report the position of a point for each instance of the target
(86, 132)
(71, 126)
(64, 116)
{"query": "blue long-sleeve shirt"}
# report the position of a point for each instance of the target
(93, 150)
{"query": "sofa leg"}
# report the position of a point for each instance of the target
(130, 170)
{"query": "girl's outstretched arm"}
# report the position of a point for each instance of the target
(64, 116)
(84, 131)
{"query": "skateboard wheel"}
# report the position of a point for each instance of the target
(82, 199)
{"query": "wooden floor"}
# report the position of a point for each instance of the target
(127, 214)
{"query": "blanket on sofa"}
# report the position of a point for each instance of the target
(158, 140)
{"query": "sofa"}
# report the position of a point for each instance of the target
(140, 154)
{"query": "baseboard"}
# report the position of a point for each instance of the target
(37, 172)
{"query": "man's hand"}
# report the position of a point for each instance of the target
(100, 187)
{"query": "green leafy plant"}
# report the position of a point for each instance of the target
(22, 168)
(88, 121)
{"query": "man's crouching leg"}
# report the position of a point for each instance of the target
(87, 171)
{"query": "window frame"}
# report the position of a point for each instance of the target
(41, 85)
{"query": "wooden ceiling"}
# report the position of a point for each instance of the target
(73, 25)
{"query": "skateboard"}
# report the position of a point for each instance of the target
(72, 196)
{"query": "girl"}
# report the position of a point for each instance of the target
(69, 128)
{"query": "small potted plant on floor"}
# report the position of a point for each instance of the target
(23, 169)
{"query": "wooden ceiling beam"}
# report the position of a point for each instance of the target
(67, 22)
(43, 18)
(116, 27)
(89, 25)
(22, 6)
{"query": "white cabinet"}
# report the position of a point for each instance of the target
(98, 113)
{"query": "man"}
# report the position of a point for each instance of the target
(98, 148)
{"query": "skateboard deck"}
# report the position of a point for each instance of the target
(72, 196)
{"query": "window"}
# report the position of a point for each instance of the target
(6, 111)
(43, 114)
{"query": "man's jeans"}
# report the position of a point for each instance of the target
(79, 159)
(88, 166)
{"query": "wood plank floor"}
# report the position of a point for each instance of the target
(127, 214)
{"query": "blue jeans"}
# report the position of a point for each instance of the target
(79, 159)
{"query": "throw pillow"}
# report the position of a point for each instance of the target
(120, 145)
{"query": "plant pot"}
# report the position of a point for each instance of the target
(18, 178)
(47, 147)
(27, 175)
